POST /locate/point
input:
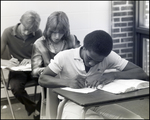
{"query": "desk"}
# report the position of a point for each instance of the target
(6, 87)
(100, 97)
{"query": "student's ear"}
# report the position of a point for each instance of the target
(84, 48)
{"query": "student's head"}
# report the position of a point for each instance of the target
(57, 27)
(97, 45)
(30, 22)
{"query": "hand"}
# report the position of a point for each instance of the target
(77, 83)
(97, 79)
(93, 80)
(13, 62)
(25, 62)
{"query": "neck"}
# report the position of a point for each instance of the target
(82, 55)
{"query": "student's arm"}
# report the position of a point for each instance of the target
(48, 79)
(36, 61)
(131, 71)
(13, 61)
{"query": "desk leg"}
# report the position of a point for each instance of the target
(7, 95)
(84, 112)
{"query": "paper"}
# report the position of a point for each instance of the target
(18, 68)
(81, 90)
(117, 86)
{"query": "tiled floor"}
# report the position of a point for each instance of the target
(140, 107)
(18, 108)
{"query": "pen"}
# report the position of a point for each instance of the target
(12, 56)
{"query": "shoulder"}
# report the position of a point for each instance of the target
(112, 54)
(68, 52)
(38, 33)
(40, 40)
(8, 30)
(73, 42)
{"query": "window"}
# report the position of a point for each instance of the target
(141, 35)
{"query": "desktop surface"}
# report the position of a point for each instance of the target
(100, 97)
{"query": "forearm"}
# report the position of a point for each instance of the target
(136, 73)
(52, 82)
(36, 72)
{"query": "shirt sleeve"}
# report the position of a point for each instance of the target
(113, 60)
(56, 64)
(37, 61)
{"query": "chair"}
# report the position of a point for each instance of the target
(49, 104)
(51, 107)
(34, 82)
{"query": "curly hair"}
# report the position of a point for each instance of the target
(57, 21)
(98, 41)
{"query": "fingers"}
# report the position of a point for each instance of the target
(25, 62)
(81, 83)
(14, 62)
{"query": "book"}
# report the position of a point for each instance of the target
(119, 86)
(18, 68)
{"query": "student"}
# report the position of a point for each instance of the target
(56, 37)
(19, 39)
(75, 65)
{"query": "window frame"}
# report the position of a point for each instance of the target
(140, 32)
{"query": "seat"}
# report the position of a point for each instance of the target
(4, 81)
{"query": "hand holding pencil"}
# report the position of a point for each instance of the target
(13, 61)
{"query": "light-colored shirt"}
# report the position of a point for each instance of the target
(69, 65)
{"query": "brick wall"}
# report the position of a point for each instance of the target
(122, 28)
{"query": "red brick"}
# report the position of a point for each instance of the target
(119, 35)
(115, 40)
(126, 39)
(120, 14)
(120, 3)
(126, 29)
(127, 50)
(120, 24)
(116, 19)
(120, 45)
(127, 19)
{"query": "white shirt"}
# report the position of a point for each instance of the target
(69, 65)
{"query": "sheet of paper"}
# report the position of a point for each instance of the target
(18, 68)
(81, 90)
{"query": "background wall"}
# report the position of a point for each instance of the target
(122, 28)
(84, 17)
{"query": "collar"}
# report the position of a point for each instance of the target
(77, 54)
(14, 30)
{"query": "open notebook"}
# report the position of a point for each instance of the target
(18, 68)
(117, 86)
(124, 86)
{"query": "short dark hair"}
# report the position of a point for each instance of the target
(99, 42)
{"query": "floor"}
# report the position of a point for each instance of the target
(19, 110)
(140, 107)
